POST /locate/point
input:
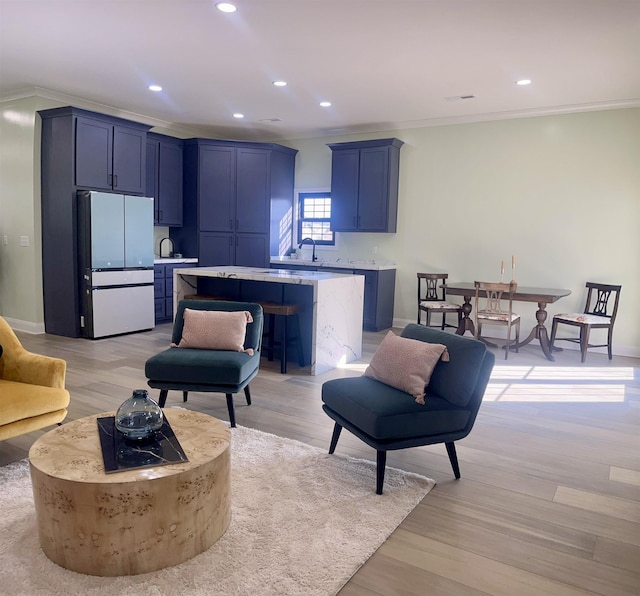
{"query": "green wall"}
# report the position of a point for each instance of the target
(561, 193)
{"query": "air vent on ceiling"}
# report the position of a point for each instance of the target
(270, 120)
(460, 97)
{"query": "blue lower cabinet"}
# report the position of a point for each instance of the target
(163, 289)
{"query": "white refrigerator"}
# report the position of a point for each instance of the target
(115, 240)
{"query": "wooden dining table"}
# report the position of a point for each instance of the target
(542, 296)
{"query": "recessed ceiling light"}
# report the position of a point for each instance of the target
(226, 7)
(280, 83)
(325, 104)
(523, 82)
(155, 88)
(238, 115)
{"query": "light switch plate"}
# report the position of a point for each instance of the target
(24, 240)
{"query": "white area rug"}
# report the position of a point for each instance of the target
(303, 523)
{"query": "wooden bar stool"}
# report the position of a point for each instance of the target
(273, 310)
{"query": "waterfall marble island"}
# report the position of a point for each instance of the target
(332, 304)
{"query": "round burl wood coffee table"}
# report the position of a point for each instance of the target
(133, 521)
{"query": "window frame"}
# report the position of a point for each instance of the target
(302, 195)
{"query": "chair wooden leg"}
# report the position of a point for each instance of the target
(247, 394)
(508, 346)
(381, 462)
(271, 337)
(163, 397)
(283, 353)
(554, 328)
(444, 317)
(301, 360)
(610, 343)
(584, 342)
(184, 396)
(334, 438)
(453, 458)
(232, 413)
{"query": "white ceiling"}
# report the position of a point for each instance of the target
(383, 64)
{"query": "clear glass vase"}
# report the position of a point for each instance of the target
(139, 418)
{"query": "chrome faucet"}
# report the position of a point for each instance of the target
(173, 247)
(313, 258)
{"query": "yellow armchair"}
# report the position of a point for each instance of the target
(32, 392)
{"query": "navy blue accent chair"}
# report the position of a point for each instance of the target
(214, 371)
(386, 418)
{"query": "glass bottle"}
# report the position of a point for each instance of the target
(139, 418)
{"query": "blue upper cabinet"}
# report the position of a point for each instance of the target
(364, 185)
(238, 201)
(164, 169)
(110, 155)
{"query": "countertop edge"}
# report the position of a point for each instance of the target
(346, 264)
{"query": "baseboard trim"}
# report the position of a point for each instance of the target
(25, 326)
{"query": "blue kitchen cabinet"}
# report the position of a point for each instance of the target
(109, 155)
(163, 289)
(236, 197)
(164, 168)
(80, 150)
(218, 249)
(234, 190)
(364, 185)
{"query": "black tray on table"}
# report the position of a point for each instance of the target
(120, 454)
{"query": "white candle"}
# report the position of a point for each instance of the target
(501, 267)
(513, 261)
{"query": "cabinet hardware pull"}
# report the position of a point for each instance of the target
(355, 221)
(109, 179)
(115, 179)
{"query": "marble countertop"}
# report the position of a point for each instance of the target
(168, 260)
(260, 274)
(373, 264)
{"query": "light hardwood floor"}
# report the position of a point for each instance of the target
(549, 499)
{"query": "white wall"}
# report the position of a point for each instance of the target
(561, 193)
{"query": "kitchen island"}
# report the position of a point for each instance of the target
(379, 283)
(332, 304)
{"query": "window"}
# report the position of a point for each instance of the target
(314, 218)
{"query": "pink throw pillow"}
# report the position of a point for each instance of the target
(406, 364)
(215, 330)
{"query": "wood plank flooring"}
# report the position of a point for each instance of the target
(549, 499)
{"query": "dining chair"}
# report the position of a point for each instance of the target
(432, 299)
(493, 312)
(600, 312)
